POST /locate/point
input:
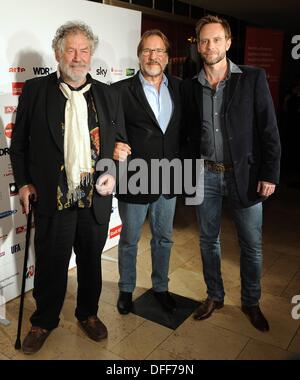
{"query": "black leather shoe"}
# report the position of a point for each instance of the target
(166, 301)
(34, 340)
(124, 304)
(94, 328)
(206, 308)
(256, 317)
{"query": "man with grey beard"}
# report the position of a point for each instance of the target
(152, 116)
(57, 141)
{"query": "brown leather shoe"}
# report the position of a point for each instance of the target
(94, 328)
(256, 317)
(34, 340)
(206, 308)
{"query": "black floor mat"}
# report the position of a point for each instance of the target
(147, 306)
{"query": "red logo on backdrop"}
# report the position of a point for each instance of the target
(10, 109)
(17, 88)
(30, 271)
(8, 130)
(21, 229)
(115, 231)
(17, 69)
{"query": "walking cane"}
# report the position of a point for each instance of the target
(28, 230)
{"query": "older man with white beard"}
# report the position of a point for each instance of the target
(66, 122)
(151, 107)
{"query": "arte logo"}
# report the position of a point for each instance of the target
(130, 72)
(17, 69)
(116, 71)
(4, 152)
(101, 71)
(5, 214)
(10, 109)
(30, 271)
(17, 88)
(42, 70)
(113, 232)
(17, 248)
(13, 190)
(8, 130)
(296, 49)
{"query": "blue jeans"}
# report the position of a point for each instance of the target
(248, 222)
(161, 215)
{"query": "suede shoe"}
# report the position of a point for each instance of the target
(256, 317)
(206, 308)
(34, 340)
(94, 328)
(166, 301)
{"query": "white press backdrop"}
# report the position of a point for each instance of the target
(26, 32)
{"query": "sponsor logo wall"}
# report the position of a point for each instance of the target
(25, 52)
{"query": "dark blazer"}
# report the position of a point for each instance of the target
(251, 127)
(37, 142)
(143, 132)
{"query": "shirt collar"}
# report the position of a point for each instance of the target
(233, 68)
(147, 83)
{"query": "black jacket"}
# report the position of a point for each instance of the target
(251, 127)
(144, 135)
(37, 142)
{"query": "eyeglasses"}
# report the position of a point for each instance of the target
(146, 52)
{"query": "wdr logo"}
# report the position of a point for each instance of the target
(41, 70)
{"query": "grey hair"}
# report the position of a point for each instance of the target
(74, 27)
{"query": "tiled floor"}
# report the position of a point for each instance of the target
(226, 335)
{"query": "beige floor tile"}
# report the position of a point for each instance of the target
(142, 341)
(8, 333)
(293, 287)
(295, 343)
(277, 311)
(3, 357)
(193, 265)
(159, 354)
(200, 340)
(182, 253)
(110, 289)
(118, 326)
(280, 274)
(256, 350)
(63, 344)
(188, 284)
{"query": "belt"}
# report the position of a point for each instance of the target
(217, 167)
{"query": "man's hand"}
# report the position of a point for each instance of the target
(24, 194)
(105, 184)
(265, 189)
(121, 151)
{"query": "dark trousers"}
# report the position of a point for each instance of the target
(54, 239)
